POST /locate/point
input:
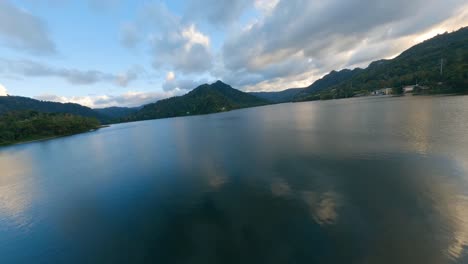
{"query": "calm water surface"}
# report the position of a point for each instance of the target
(367, 180)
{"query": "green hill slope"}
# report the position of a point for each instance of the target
(420, 64)
(115, 112)
(205, 99)
(18, 103)
(21, 126)
(279, 97)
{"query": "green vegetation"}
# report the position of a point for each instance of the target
(21, 126)
(18, 103)
(440, 64)
(287, 95)
(205, 99)
(115, 113)
(318, 90)
(397, 90)
(104, 115)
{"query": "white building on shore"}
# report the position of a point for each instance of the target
(383, 91)
(409, 88)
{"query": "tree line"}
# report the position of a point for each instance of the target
(20, 126)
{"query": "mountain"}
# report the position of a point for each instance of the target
(116, 112)
(21, 126)
(279, 97)
(420, 64)
(205, 99)
(329, 80)
(18, 103)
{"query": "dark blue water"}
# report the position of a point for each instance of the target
(368, 180)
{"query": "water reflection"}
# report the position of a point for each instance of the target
(279, 187)
(323, 207)
(457, 248)
(16, 191)
(346, 181)
(419, 117)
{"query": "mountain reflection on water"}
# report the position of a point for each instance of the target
(367, 180)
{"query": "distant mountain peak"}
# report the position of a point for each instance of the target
(219, 82)
(206, 98)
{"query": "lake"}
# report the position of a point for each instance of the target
(364, 180)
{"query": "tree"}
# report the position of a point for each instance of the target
(398, 90)
(31, 125)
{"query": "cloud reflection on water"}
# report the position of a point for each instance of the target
(16, 190)
(323, 207)
(279, 184)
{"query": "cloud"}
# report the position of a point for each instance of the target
(128, 99)
(3, 90)
(174, 44)
(170, 76)
(129, 35)
(297, 37)
(23, 31)
(183, 49)
(266, 6)
(194, 37)
(218, 13)
(172, 83)
(124, 79)
(28, 68)
(252, 45)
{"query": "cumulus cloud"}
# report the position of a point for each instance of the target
(264, 44)
(172, 83)
(3, 90)
(21, 30)
(174, 44)
(128, 99)
(298, 36)
(184, 49)
(28, 68)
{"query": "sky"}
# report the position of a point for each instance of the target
(102, 53)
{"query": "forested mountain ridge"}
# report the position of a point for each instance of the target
(104, 115)
(205, 99)
(440, 63)
(287, 95)
(15, 103)
(18, 103)
(329, 80)
(20, 126)
(115, 112)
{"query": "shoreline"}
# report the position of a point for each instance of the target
(50, 138)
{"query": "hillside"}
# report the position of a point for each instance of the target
(279, 97)
(420, 64)
(20, 126)
(329, 80)
(205, 99)
(116, 112)
(18, 103)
